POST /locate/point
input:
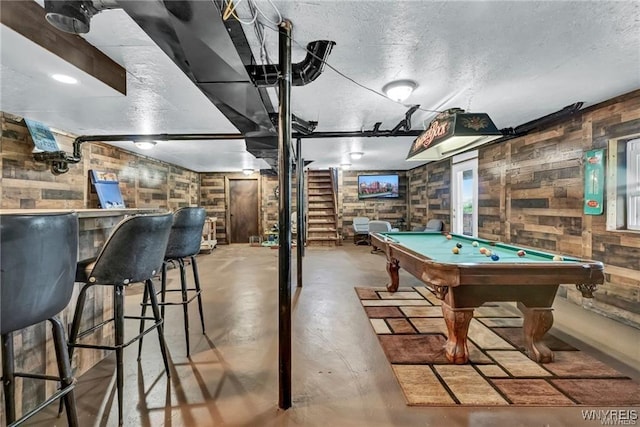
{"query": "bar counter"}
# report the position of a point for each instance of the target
(34, 348)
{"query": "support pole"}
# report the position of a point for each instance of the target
(284, 215)
(300, 203)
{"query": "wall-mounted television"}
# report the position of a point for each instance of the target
(378, 186)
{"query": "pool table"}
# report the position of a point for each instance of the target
(468, 279)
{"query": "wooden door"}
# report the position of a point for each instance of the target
(243, 210)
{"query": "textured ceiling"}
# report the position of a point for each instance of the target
(516, 60)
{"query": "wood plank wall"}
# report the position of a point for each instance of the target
(531, 194)
(430, 194)
(349, 206)
(213, 196)
(144, 182)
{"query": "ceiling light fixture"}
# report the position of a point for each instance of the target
(399, 90)
(452, 132)
(63, 78)
(247, 171)
(356, 155)
(345, 165)
(145, 145)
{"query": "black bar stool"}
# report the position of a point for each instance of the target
(38, 255)
(133, 253)
(184, 242)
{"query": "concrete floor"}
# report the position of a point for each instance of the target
(340, 374)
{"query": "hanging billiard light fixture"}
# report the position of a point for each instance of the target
(452, 132)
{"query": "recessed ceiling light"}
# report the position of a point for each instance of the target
(247, 171)
(63, 78)
(145, 145)
(399, 90)
(356, 155)
(345, 165)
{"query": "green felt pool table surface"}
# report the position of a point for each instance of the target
(436, 246)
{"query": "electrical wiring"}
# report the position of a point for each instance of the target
(231, 7)
(340, 73)
(255, 4)
(230, 10)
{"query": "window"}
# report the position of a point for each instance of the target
(464, 194)
(633, 184)
(623, 176)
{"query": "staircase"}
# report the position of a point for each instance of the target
(321, 209)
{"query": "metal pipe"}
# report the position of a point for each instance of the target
(284, 181)
(356, 134)
(300, 212)
(77, 152)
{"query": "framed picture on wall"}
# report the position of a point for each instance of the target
(107, 188)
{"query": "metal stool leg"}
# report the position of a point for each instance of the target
(8, 379)
(185, 297)
(64, 371)
(159, 322)
(163, 287)
(118, 310)
(196, 279)
(77, 318)
(145, 296)
(75, 328)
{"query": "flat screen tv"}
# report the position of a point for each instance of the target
(377, 186)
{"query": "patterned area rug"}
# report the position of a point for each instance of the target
(412, 333)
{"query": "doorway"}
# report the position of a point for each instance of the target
(464, 194)
(243, 211)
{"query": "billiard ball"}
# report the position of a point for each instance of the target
(448, 236)
(558, 258)
(474, 244)
(488, 252)
(455, 250)
(521, 253)
(495, 257)
(458, 245)
(483, 250)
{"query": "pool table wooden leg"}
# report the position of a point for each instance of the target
(393, 266)
(457, 320)
(537, 321)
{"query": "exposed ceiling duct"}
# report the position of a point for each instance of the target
(75, 16)
(302, 73)
(213, 53)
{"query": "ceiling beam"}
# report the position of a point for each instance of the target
(27, 18)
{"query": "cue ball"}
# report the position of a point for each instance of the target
(521, 253)
(458, 245)
(474, 244)
(448, 236)
(495, 257)
(483, 250)
(455, 250)
(558, 258)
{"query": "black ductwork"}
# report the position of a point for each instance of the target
(213, 53)
(303, 72)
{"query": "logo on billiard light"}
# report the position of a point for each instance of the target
(592, 203)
